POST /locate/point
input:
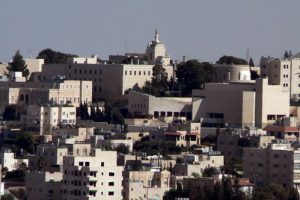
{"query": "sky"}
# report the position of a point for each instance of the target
(196, 29)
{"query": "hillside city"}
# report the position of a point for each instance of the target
(146, 126)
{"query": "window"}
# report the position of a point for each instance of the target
(129, 72)
(102, 164)
(134, 72)
(111, 174)
(110, 193)
(275, 155)
(87, 164)
(111, 183)
(125, 72)
(296, 156)
(270, 117)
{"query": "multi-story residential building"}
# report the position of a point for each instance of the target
(278, 163)
(232, 145)
(124, 76)
(196, 164)
(67, 135)
(166, 108)
(240, 104)
(286, 129)
(8, 160)
(49, 157)
(57, 91)
(92, 177)
(43, 185)
(146, 184)
(46, 118)
(178, 138)
(283, 72)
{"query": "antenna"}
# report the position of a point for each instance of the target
(247, 54)
(125, 46)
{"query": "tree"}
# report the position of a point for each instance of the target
(7, 197)
(54, 57)
(192, 75)
(254, 75)
(210, 171)
(251, 63)
(286, 55)
(25, 141)
(159, 82)
(18, 65)
(11, 113)
(231, 60)
(122, 148)
(83, 111)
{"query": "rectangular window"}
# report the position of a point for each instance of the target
(111, 174)
(271, 117)
(110, 193)
(102, 164)
(111, 183)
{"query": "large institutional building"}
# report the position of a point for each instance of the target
(34, 93)
(240, 104)
(111, 79)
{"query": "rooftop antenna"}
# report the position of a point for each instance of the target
(156, 36)
(247, 54)
(125, 46)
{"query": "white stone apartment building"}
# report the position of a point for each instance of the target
(49, 157)
(33, 93)
(46, 118)
(92, 177)
(43, 185)
(198, 164)
(278, 163)
(240, 104)
(67, 135)
(8, 160)
(146, 184)
(283, 72)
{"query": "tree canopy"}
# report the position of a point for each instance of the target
(251, 63)
(159, 85)
(287, 54)
(231, 60)
(54, 57)
(192, 75)
(18, 64)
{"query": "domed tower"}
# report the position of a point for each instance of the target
(156, 52)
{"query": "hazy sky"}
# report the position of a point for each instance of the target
(201, 29)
